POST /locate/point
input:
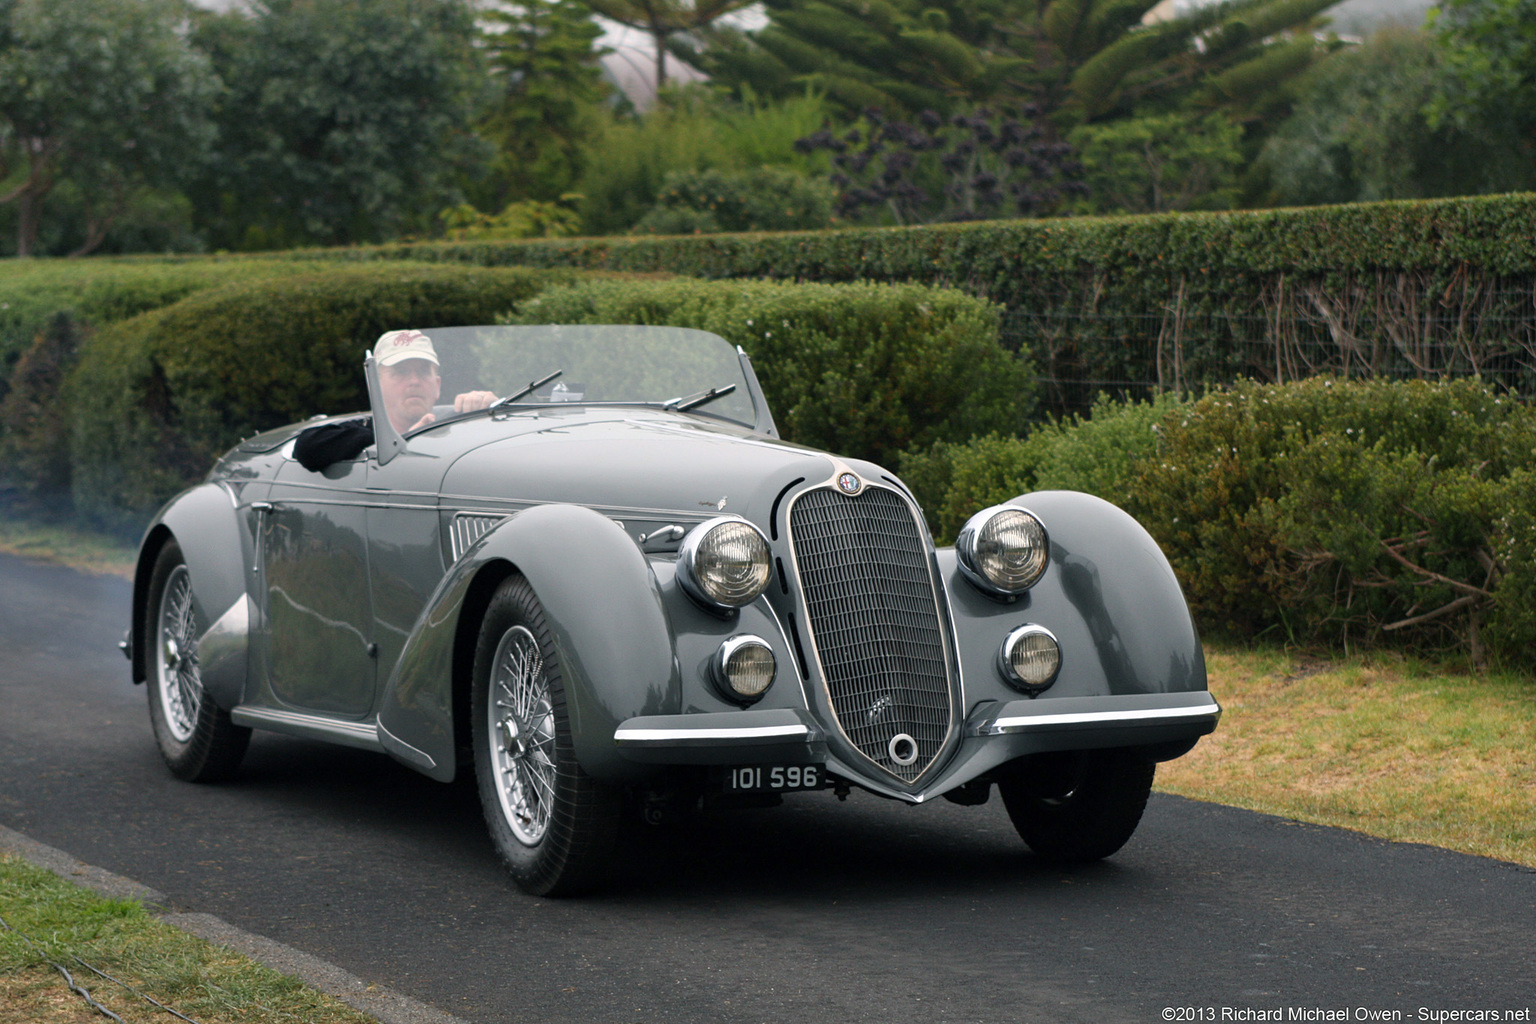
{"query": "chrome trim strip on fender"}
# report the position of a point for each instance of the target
(749, 732)
(1024, 723)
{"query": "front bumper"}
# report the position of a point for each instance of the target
(995, 733)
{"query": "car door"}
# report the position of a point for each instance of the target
(319, 644)
(405, 555)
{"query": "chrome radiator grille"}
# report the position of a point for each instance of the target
(874, 621)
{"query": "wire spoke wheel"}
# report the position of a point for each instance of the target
(196, 737)
(181, 689)
(521, 721)
(553, 825)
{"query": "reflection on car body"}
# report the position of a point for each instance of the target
(617, 589)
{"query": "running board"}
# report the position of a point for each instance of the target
(364, 735)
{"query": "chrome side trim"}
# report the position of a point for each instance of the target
(624, 734)
(316, 727)
(1025, 723)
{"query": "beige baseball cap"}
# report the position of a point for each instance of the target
(398, 346)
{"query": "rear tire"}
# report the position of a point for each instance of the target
(196, 737)
(1077, 807)
(553, 825)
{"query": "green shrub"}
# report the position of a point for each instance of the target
(158, 397)
(100, 291)
(1097, 454)
(863, 369)
(1341, 512)
(34, 424)
(765, 199)
(1512, 627)
(688, 130)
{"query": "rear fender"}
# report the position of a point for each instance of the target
(604, 610)
(214, 536)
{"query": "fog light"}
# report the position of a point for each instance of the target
(744, 668)
(1030, 658)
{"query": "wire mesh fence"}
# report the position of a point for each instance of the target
(1089, 332)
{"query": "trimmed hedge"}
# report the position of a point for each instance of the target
(1350, 512)
(862, 369)
(1096, 454)
(1431, 287)
(101, 291)
(1331, 513)
(155, 399)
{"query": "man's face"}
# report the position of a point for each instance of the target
(410, 390)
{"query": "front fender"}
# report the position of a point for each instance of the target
(604, 611)
(209, 525)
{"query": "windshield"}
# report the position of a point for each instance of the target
(598, 365)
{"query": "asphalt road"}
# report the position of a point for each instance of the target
(816, 911)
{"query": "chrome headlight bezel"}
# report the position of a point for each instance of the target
(720, 675)
(700, 583)
(978, 552)
(1031, 635)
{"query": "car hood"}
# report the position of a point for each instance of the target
(636, 464)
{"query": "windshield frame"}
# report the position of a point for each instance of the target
(388, 442)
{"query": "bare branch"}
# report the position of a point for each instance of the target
(1443, 610)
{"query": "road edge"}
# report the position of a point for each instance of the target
(384, 1004)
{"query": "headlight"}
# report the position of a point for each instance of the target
(744, 668)
(1030, 658)
(724, 563)
(1003, 550)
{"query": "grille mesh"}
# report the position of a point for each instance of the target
(872, 614)
(467, 528)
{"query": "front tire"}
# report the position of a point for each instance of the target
(552, 824)
(1077, 807)
(196, 737)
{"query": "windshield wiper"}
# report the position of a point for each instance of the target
(531, 387)
(694, 401)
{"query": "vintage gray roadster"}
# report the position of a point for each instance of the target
(600, 582)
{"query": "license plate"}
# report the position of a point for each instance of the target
(774, 778)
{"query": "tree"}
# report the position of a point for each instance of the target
(548, 84)
(343, 120)
(663, 19)
(1489, 47)
(1080, 60)
(107, 92)
(898, 56)
(1159, 163)
(1360, 132)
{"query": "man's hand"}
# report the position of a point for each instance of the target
(472, 401)
(425, 421)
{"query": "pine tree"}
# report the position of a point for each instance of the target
(548, 84)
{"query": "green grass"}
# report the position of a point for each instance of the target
(65, 545)
(119, 937)
(1388, 746)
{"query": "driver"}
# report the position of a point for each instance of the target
(410, 384)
